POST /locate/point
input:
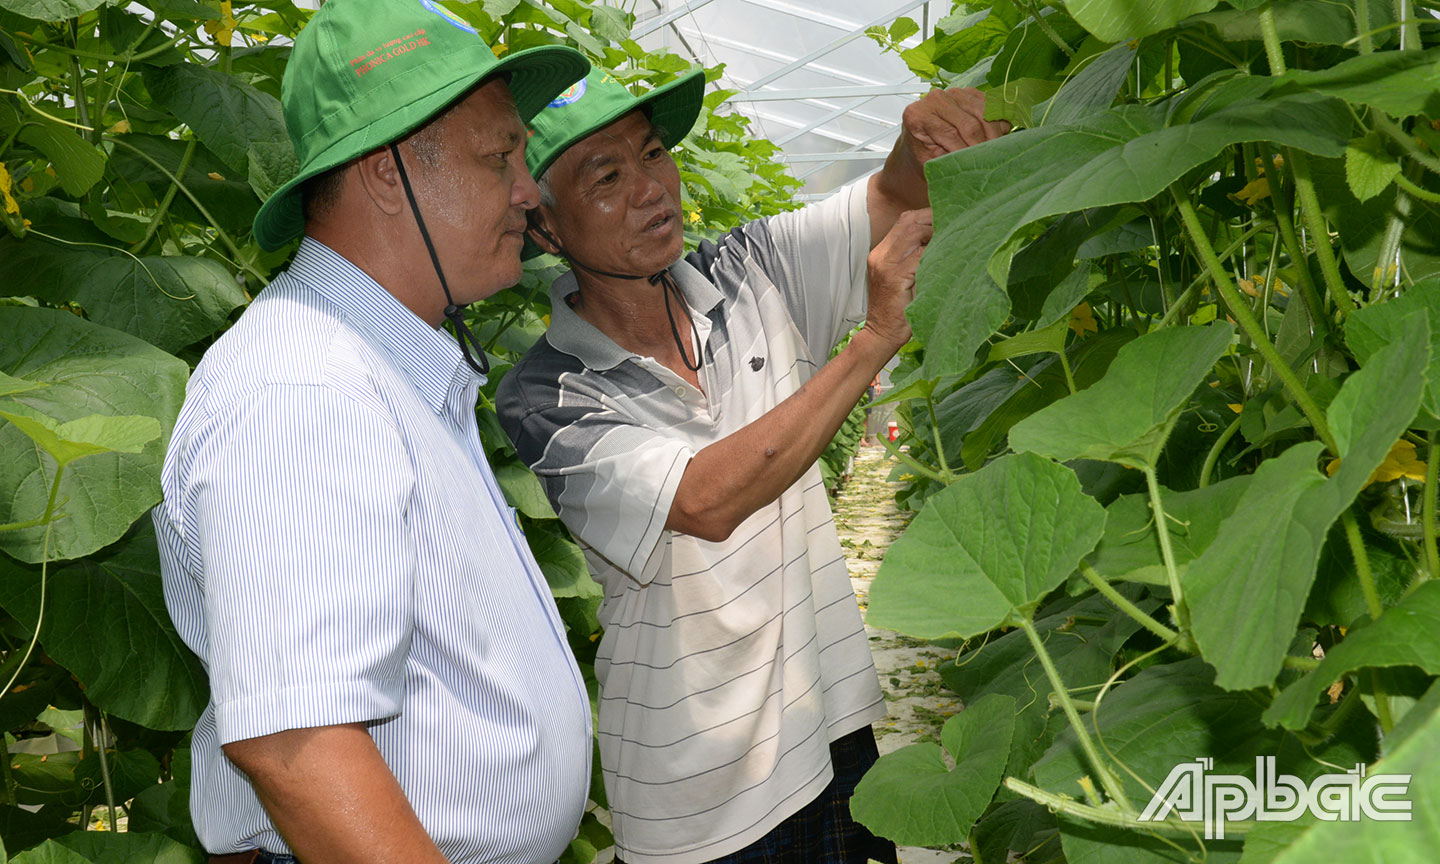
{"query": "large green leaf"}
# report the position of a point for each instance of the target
(225, 194)
(1399, 842)
(106, 622)
(1323, 22)
(985, 550)
(226, 113)
(88, 436)
(1401, 83)
(913, 797)
(1121, 20)
(1363, 226)
(1370, 329)
(1407, 634)
(561, 560)
(51, 10)
(78, 164)
(1127, 415)
(983, 195)
(1265, 554)
(170, 301)
(89, 370)
(1093, 88)
(1130, 549)
(104, 847)
(523, 490)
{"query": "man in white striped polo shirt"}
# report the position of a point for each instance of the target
(674, 412)
(390, 680)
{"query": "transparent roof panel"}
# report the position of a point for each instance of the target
(809, 77)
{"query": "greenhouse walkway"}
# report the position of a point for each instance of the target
(868, 522)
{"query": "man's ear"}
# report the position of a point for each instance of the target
(539, 229)
(381, 181)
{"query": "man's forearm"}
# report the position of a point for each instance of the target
(332, 797)
(732, 478)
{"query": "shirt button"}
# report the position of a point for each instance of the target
(680, 391)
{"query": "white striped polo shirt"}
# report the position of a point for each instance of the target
(336, 550)
(726, 669)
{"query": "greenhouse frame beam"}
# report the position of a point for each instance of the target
(823, 119)
(841, 156)
(653, 24)
(834, 44)
(871, 90)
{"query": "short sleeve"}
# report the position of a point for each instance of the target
(610, 479)
(308, 566)
(816, 256)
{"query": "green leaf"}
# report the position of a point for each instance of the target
(1369, 330)
(1128, 414)
(984, 195)
(104, 847)
(1407, 634)
(78, 164)
(1014, 100)
(1400, 83)
(1023, 827)
(1402, 842)
(87, 436)
(1120, 20)
(272, 164)
(1363, 227)
(903, 28)
(138, 185)
(170, 302)
(985, 550)
(51, 10)
(89, 370)
(561, 560)
(1368, 168)
(1093, 88)
(1266, 553)
(165, 807)
(9, 385)
(1082, 635)
(523, 490)
(226, 114)
(106, 622)
(1320, 22)
(913, 797)
(1130, 549)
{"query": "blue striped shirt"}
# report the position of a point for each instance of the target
(336, 550)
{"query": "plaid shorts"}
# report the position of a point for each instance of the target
(822, 832)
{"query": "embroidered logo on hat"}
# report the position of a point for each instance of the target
(453, 19)
(571, 95)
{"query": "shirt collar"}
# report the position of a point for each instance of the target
(427, 355)
(579, 338)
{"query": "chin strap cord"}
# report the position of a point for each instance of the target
(663, 279)
(454, 314)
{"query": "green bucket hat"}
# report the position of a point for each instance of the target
(596, 101)
(364, 73)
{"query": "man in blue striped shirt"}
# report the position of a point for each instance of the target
(390, 680)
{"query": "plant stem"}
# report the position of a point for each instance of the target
(1409, 26)
(1285, 221)
(1390, 129)
(100, 742)
(7, 778)
(945, 473)
(1124, 605)
(1104, 816)
(1048, 30)
(1382, 703)
(220, 232)
(1247, 322)
(1362, 565)
(910, 461)
(1427, 507)
(1214, 455)
(1107, 778)
(169, 198)
(49, 523)
(1416, 190)
(1271, 36)
(1314, 217)
(1174, 312)
(1362, 26)
(1167, 552)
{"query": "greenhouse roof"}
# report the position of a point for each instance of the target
(808, 76)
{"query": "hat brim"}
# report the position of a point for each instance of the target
(673, 109)
(536, 76)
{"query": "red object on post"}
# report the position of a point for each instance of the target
(892, 431)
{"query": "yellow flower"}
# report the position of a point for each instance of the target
(500, 48)
(1234, 406)
(546, 319)
(224, 29)
(694, 217)
(1254, 191)
(1082, 320)
(1400, 462)
(1248, 287)
(213, 175)
(6, 184)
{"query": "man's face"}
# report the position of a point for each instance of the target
(617, 200)
(474, 197)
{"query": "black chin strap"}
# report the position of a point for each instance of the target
(663, 279)
(454, 314)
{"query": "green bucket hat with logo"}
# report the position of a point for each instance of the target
(364, 73)
(596, 101)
